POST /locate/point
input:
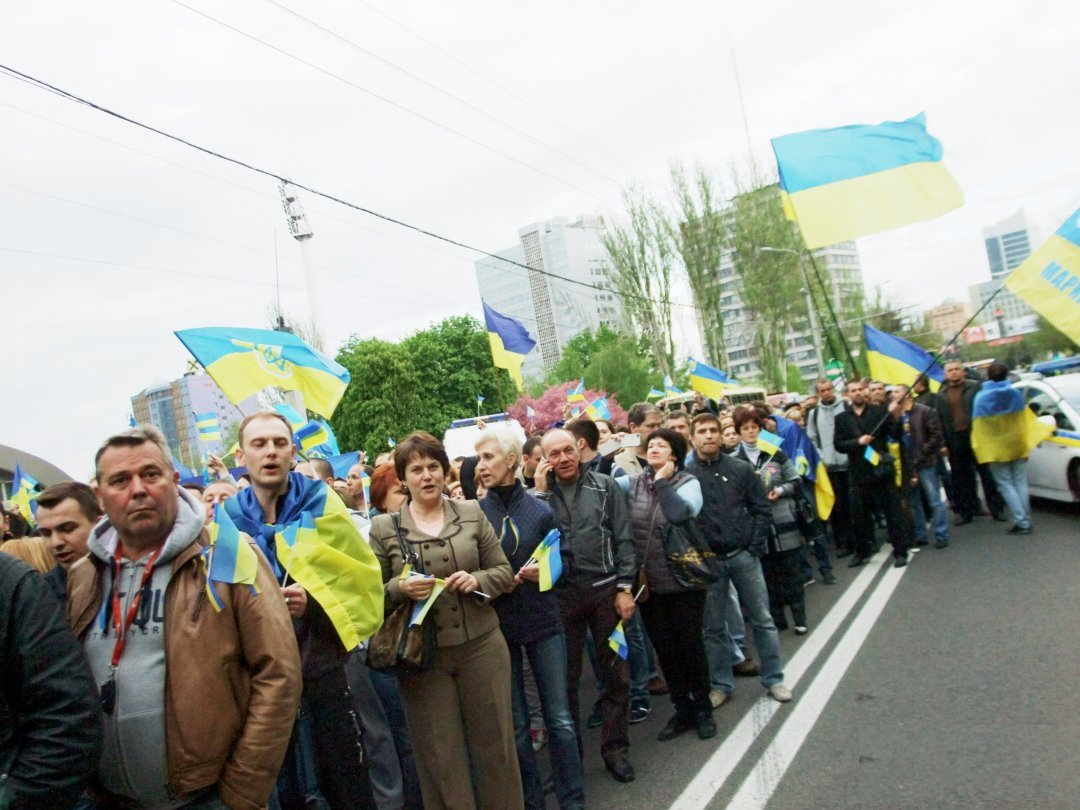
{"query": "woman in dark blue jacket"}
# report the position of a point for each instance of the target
(529, 619)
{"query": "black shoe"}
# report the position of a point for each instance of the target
(781, 626)
(963, 521)
(706, 728)
(829, 578)
(941, 544)
(899, 562)
(999, 517)
(856, 562)
(921, 543)
(639, 710)
(621, 770)
(1019, 530)
(676, 725)
(596, 719)
(843, 552)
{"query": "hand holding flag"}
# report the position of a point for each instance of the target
(548, 558)
(617, 642)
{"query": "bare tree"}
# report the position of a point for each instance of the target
(640, 254)
(307, 331)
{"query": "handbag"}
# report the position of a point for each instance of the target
(691, 561)
(399, 646)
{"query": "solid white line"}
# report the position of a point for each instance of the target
(718, 768)
(764, 779)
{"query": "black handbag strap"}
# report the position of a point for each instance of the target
(408, 556)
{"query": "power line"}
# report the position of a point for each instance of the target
(496, 84)
(282, 179)
(391, 102)
(442, 91)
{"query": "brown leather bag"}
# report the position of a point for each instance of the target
(398, 646)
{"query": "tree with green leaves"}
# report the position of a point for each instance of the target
(608, 360)
(640, 256)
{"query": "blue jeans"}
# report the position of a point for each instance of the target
(547, 659)
(1011, 480)
(736, 627)
(640, 658)
(930, 482)
(744, 572)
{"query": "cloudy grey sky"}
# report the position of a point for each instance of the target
(113, 237)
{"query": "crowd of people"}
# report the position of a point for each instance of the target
(131, 679)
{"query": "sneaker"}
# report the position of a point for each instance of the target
(809, 582)
(915, 549)
(539, 738)
(829, 578)
(780, 693)
(639, 710)
(801, 630)
(747, 668)
(596, 719)
(718, 697)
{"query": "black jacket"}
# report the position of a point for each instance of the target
(597, 540)
(874, 420)
(50, 722)
(526, 615)
(927, 437)
(735, 512)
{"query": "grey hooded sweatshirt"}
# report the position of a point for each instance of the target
(133, 762)
(821, 428)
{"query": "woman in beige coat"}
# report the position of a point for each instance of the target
(459, 712)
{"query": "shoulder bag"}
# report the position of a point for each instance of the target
(399, 646)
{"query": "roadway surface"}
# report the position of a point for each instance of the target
(949, 683)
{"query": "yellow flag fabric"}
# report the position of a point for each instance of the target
(1007, 436)
(1049, 280)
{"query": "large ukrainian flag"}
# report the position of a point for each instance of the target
(896, 361)
(510, 342)
(805, 457)
(1049, 280)
(1002, 427)
(707, 380)
(842, 183)
(245, 361)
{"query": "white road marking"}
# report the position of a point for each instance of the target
(718, 768)
(764, 779)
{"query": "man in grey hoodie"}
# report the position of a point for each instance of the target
(199, 698)
(821, 427)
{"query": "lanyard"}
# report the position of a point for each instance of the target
(121, 629)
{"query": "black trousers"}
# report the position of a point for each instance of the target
(962, 464)
(840, 518)
(865, 494)
(673, 622)
(785, 585)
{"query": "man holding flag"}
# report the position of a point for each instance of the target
(332, 587)
(530, 621)
(864, 433)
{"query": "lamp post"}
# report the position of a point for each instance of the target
(809, 303)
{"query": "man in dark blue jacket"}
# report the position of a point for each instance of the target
(530, 621)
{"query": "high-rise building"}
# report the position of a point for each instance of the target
(1008, 243)
(171, 407)
(552, 309)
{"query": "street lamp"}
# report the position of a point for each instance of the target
(809, 303)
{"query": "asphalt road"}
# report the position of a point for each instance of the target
(949, 683)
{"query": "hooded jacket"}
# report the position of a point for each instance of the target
(821, 428)
(202, 698)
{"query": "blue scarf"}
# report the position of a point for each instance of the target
(303, 495)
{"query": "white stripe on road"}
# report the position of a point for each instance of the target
(719, 766)
(763, 780)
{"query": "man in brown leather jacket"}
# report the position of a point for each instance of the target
(199, 704)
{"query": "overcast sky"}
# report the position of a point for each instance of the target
(113, 237)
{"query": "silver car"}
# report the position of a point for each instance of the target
(1054, 466)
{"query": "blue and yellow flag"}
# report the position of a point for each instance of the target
(24, 494)
(808, 462)
(707, 380)
(229, 558)
(391, 442)
(577, 393)
(896, 361)
(1002, 427)
(1049, 279)
(422, 608)
(617, 642)
(311, 436)
(245, 361)
(548, 557)
(598, 409)
(654, 393)
(208, 427)
(510, 342)
(530, 412)
(289, 412)
(769, 443)
(669, 386)
(842, 183)
(872, 455)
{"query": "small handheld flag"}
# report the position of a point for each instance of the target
(598, 409)
(769, 443)
(548, 557)
(654, 393)
(577, 393)
(872, 456)
(421, 609)
(617, 642)
(707, 380)
(24, 493)
(391, 442)
(669, 386)
(530, 412)
(229, 558)
(208, 427)
(311, 436)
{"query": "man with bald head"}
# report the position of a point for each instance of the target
(596, 588)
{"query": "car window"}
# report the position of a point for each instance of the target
(1042, 405)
